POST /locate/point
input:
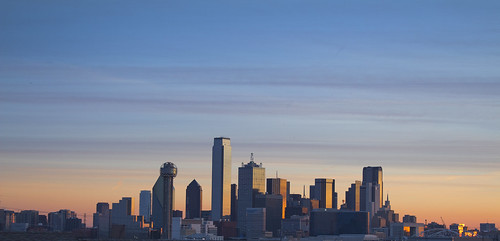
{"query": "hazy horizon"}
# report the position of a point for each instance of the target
(96, 95)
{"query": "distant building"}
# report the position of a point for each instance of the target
(234, 202)
(324, 191)
(369, 199)
(256, 223)
(352, 196)
(193, 200)
(273, 205)
(281, 187)
(373, 176)
(6, 219)
(400, 230)
(409, 219)
(221, 178)
(102, 220)
(27, 216)
(251, 181)
(312, 192)
(458, 228)
(123, 223)
(177, 213)
(383, 218)
(58, 220)
(335, 222)
(206, 214)
(487, 227)
(163, 199)
(145, 205)
(295, 226)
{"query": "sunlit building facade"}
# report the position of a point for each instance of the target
(278, 186)
(324, 191)
(221, 178)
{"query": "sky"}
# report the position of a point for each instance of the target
(96, 95)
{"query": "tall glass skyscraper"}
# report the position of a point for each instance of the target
(374, 176)
(221, 178)
(279, 186)
(145, 205)
(325, 192)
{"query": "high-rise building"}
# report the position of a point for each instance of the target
(193, 200)
(102, 220)
(27, 216)
(312, 192)
(163, 199)
(57, 220)
(221, 178)
(124, 224)
(374, 175)
(6, 219)
(251, 181)
(352, 197)
(234, 202)
(279, 186)
(324, 191)
(369, 198)
(145, 205)
(256, 227)
(273, 204)
(486, 227)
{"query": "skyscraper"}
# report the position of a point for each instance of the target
(163, 199)
(279, 186)
(273, 204)
(145, 205)
(374, 175)
(324, 191)
(102, 220)
(352, 196)
(234, 202)
(251, 181)
(193, 200)
(221, 178)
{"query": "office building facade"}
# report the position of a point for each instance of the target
(145, 205)
(279, 186)
(251, 181)
(324, 191)
(221, 179)
(194, 195)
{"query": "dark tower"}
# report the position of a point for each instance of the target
(168, 171)
(193, 200)
(374, 176)
(234, 202)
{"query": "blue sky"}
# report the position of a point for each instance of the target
(122, 86)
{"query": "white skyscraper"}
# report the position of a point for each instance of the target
(145, 205)
(221, 178)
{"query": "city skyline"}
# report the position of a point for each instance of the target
(94, 97)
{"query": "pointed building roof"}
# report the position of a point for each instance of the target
(194, 183)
